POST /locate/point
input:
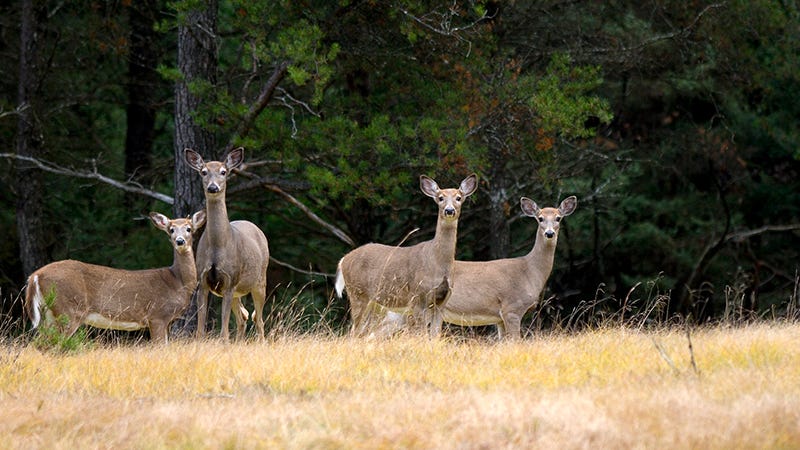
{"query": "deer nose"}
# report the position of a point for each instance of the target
(449, 211)
(213, 188)
(549, 234)
(180, 241)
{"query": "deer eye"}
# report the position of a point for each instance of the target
(441, 198)
(171, 230)
(223, 172)
(558, 219)
(188, 229)
(204, 172)
(458, 198)
(540, 219)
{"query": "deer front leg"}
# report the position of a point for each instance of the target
(202, 311)
(227, 302)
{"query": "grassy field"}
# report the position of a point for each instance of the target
(608, 388)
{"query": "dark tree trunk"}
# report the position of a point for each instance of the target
(29, 209)
(499, 230)
(197, 60)
(142, 88)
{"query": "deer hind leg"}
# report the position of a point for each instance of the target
(356, 312)
(159, 332)
(259, 299)
(241, 315)
(510, 326)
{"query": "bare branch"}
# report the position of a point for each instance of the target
(127, 186)
(274, 186)
(339, 233)
(297, 269)
(742, 235)
(261, 102)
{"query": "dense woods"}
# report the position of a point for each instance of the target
(674, 123)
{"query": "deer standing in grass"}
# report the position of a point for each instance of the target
(232, 257)
(500, 292)
(413, 280)
(109, 298)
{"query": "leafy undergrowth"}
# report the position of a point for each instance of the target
(607, 388)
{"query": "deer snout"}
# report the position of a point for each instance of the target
(449, 211)
(213, 188)
(180, 241)
(549, 234)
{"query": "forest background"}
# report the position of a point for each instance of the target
(675, 123)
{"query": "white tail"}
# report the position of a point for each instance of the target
(500, 292)
(38, 300)
(105, 297)
(407, 280)
(232, 257)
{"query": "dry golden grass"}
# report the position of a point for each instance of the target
(609, 388)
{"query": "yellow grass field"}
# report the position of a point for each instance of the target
(609, 388)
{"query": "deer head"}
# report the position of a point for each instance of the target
(215, 173)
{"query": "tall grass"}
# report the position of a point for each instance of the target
(605, 388)
(592, 379)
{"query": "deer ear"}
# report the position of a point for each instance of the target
(198, 219)
(193, 159)
(428, 186)
(234, 158)
(469, 185)
(529, 207)
(159, 220)
(568, 206)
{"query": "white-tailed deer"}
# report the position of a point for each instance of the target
(232, 257)
(413, 280)
(109, 298)
(500, 292)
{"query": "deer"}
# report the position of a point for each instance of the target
(501, 291)
(232, 257)
(414, 280)
(109, 298)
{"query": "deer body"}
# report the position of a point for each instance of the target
(500, 292)
(406, 280)
(105, 297)
(232, 257)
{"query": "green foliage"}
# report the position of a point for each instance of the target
(564, 98)
(50, 338)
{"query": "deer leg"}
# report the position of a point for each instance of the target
(357, 312)
(241, 314)
(159, 332)
(202, 311)
(227, 303)
(511, 323)
(70, 327)
(436, 323)
(259, 299)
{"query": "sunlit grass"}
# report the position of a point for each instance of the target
(607, 388)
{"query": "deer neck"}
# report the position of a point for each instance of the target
(540, 258)
(218, 227)
(184, 269)
(443, 244)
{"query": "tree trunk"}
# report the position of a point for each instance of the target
(29, 208)
(142, 92)
(499, 230)
(197, 60)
